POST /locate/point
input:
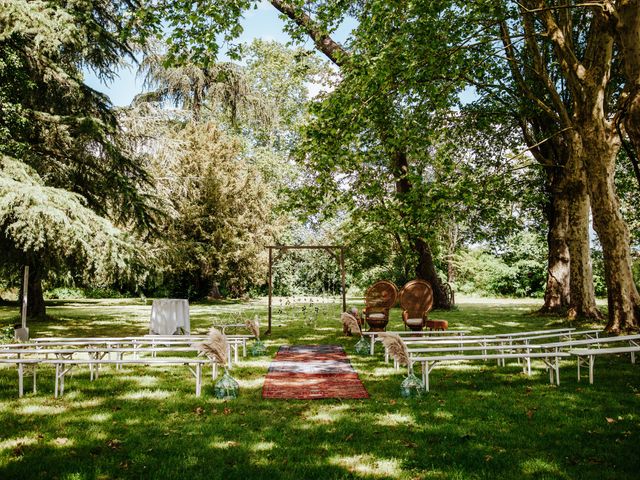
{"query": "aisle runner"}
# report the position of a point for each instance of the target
(312, 371)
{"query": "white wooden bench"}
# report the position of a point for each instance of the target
(515, 341)
(234, 341)
(589, 355)
(65, 365)
(632, 339)
(94, 357)
(551, 360)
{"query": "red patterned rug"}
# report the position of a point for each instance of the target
(310, 372)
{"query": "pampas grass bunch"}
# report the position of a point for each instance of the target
(350, 323)
(395, 347)
(253, 326)
(215, 347)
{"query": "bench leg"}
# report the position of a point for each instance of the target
(235, 353)
(373, 344)
(35, 385)
(557, 367)
(198, 379)
(579, 364)
(633, 357)
(592, 360)
(427, 371)
(244, 348)
(57, 384)
(425, 375)
(20, 380)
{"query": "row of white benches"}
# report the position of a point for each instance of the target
(429, 351)
(96, 351)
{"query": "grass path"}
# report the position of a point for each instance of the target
(480, 421)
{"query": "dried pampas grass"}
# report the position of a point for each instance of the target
(395, 347)
(215, 347)
(253, 326)
(350, 323)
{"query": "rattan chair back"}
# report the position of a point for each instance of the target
(416, 298)
(383, 293)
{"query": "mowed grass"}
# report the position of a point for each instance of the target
(479, 421)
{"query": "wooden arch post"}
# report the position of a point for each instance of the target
(336, 250)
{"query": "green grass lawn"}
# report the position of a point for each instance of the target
(479, 420)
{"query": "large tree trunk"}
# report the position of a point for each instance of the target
(426, 270)
(557, 291)
(583, 298)
(36, 308)
(602, 146)
(569, 275)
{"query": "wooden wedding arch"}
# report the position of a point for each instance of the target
(337, 251)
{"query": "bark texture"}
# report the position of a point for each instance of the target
(583, 297)
(557, 291)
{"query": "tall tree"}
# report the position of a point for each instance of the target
(61, 129)
(580, 41)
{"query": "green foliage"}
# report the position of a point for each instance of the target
(56, 226)
(519, 270)
(69, 187)
(7, 334)
(70, 293)
(222, 217)
(599, 283)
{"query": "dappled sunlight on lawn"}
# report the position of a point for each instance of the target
(368, 465)
(147, 394)
(540, 467)
(99, 417)
(311, 338)
(253, 363)
(388, 371)
(88, 403)
(41, 409)
(251, 383)
(11, 443)
(327, 414)
(224, 444)
(443, 415)
(394, 419)
(263, 446)
(141, 380)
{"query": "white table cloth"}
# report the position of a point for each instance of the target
(168, 316)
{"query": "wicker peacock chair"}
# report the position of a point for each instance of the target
(416, 300)
(380, 297)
